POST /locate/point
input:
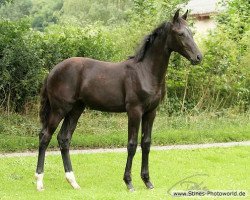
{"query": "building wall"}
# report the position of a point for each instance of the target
(204, 25)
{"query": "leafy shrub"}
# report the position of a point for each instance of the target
(20, 66)
(222, 80)
(26, 54)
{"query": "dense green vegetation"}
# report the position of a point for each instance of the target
(37, 34)
(100, 175)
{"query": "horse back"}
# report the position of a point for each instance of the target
(97, 84)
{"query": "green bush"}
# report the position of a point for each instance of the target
(222, 80)
(20, 65)
(26, 55)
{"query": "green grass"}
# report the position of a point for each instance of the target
(19, 133)
(100, 175)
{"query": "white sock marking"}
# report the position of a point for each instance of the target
(72, 180)
(39, 181)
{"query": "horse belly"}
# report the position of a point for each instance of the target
(103, 96)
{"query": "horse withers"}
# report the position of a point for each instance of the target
(135, 86)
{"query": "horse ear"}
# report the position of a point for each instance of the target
(185, 15)
(176, 15)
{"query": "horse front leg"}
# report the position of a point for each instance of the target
(147, 124)
(134, 119)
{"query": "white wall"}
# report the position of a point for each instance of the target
(202, 26)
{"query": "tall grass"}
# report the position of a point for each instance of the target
(95, 129)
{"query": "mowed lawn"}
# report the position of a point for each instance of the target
(100, 175)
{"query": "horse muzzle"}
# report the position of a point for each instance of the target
(197, 60)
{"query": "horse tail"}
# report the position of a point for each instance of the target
(44, 105)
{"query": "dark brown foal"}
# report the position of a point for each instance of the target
(135, 86)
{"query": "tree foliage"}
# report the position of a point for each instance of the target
(37, 34)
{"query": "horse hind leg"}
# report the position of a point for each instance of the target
(44, 139)
(64, 139)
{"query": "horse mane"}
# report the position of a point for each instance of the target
(148, 41)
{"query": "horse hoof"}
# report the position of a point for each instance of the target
(70, 177)
(75, 186)
(40, 188)
(130, 187)
(149, 185)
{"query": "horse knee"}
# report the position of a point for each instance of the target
(132, 148)
(145, 145)
(44, 139)
(64, 142)
(42, 132)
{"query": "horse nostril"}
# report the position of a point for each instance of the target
(199, 57)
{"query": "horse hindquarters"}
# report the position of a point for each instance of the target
(64, 138)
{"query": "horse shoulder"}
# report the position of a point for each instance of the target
(140, 87)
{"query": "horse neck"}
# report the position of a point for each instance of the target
(156, 60)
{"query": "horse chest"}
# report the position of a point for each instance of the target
(149, 91)
(150, 99)
(142, 89)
